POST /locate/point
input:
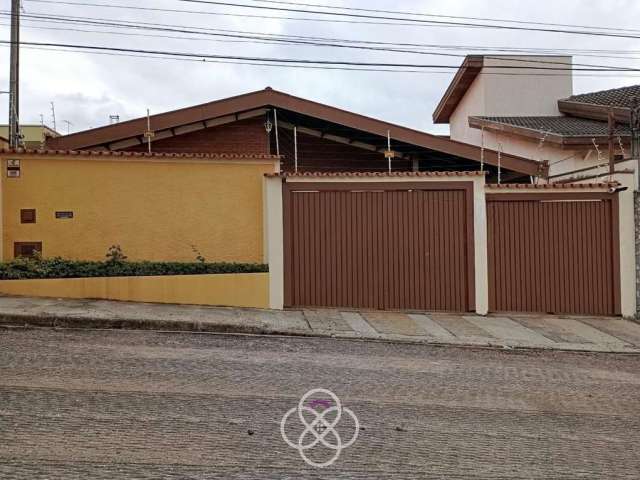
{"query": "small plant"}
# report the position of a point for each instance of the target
(115, 254)
(199, 257)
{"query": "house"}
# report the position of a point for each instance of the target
(496, 102)
(321, 137)
(4, 142)
(33, 135)
(341, 219)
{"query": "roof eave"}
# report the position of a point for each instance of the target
(272, 98)
(456, 90)
(475, 122)
(534, 134)
(593, 111)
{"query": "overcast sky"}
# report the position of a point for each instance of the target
(87, 88)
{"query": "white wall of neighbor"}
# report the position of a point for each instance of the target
(523, 92)
(561, 160)
(527, 94)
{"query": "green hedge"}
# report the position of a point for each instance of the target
(23, 268)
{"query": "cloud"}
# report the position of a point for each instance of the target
(87, 88)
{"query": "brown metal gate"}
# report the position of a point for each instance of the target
(553, 253)
(379, 245)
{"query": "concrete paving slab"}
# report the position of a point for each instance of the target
(281, 321)
(326, 320)
(623, 329)
(392, 323)
(359, 324)
(557, 331)
(506, 329)
(589, 333)
(459, 327)
(430, 327)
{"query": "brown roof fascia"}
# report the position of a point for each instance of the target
(593, 111)
(269, 97)
(461, 82)
(162, 121)
(403, 134)
(562, 140)
(475, 122)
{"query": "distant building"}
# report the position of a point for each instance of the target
(33, 135)
(4, 143)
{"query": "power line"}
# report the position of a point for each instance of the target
(298, 40)
(615, 54)
(225, 14)
(269, 42)
(314, 67)
(416, 20)
(422, 14)
(407, 21)
(304, 60)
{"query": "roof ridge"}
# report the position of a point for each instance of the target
(602, 91)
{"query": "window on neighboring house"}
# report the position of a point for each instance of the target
(28, 215)
(26, 249)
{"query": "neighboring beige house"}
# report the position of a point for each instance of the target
(33, 135)
(495, 103)
(4, 143)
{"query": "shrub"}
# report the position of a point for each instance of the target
(24, 268)
(115, 254)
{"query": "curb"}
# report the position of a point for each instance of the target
(53, 321)
(181, 326)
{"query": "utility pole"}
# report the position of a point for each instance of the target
(14, 80)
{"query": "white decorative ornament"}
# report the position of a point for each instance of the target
(328, 437)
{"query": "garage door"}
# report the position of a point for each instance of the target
(555, 254)
(392, 246)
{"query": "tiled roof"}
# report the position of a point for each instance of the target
(119, 153)
(374, 174)
(549, 186)
(615, 97)
(560, 125)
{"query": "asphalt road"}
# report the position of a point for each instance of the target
(144, 405)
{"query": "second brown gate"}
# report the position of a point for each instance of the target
(553, 253)
(379, 245)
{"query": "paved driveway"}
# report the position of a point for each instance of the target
(605, 334)
(81, 404)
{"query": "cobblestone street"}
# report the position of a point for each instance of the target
(138, 404)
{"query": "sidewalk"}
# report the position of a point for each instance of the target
(593, 334)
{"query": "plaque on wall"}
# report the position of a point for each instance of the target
(64, 214)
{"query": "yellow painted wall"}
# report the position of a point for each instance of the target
(233, 289)
(154, 208)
